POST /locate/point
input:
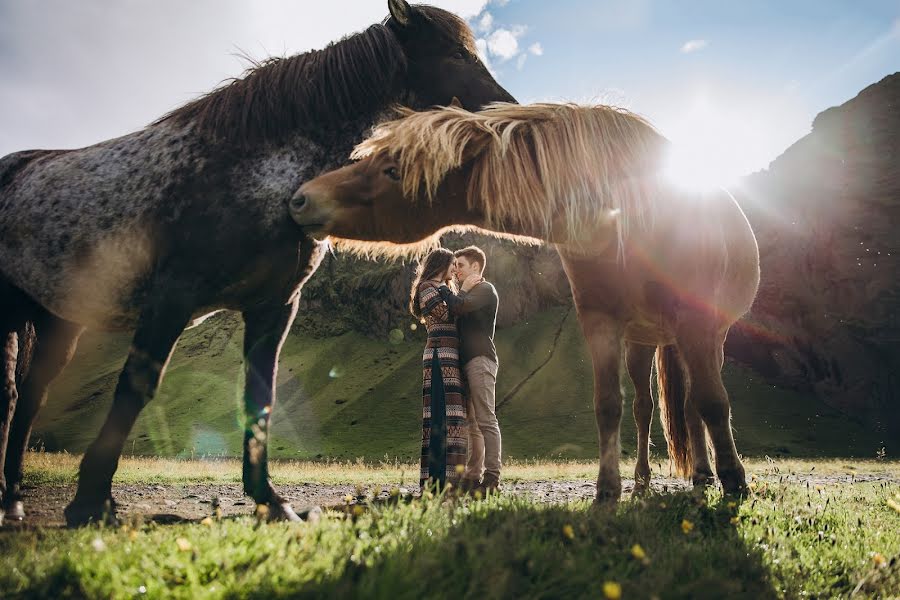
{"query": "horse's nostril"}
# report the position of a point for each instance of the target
(298, 202)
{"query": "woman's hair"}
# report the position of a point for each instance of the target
(436, 263)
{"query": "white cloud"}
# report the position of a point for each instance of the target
(485, 22)
(536, 49)
(520, 62)
(503, 44)
(693, 46)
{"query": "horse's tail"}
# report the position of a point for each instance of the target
(27, 339)
(672, 385)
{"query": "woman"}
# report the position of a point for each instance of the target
(444, 404)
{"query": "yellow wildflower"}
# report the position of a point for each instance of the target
(207, 521)
(460, 469)
(735, 520)
(686, 526)
(348, 498)
(183, 545)
(358, 510)
(894, 505)
(612, 590)
(638, 552)
(568, 531)
(879, 559)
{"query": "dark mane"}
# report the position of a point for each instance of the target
(307, 92)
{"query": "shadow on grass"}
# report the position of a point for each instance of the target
(668, 546)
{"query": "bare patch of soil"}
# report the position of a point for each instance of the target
(174, 503)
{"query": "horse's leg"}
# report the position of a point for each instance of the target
(264, 334)
(639, 361)
(158, 328)
(603, 337)
(9, 394)
(701, 345)
(702, 475)
(54, 346)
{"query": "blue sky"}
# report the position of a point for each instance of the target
(732, 83)
(748, 86)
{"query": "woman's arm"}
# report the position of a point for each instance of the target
(431, 302)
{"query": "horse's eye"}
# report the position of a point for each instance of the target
(459, 55)
(393, 173)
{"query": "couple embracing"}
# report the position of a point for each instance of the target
(460, 433)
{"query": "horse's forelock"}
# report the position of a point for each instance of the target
(449, 25)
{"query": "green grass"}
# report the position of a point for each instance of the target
(788, 540)
(350, 396)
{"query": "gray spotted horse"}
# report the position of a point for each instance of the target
(152, 231)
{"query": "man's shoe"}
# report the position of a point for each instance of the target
(490, 484)
(467, 486)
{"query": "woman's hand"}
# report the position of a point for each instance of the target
(471, 281)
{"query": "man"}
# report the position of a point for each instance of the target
(476, 307)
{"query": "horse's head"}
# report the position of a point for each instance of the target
(441, 58)
(365, 201)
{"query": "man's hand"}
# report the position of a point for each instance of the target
(471, 281)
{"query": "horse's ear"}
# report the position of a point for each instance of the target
(455, 103)
(401, 11)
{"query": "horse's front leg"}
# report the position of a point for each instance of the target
(160, 324)
(264, 334)
(603, 336)
(639, 362)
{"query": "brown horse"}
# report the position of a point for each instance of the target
(664, 270)
(153, 231)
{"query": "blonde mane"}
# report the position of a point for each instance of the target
(546, 169)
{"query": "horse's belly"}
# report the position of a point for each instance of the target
(99, 288)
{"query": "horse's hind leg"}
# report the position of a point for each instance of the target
(54, 345)
(701, 345)
(639, 362)
(264, 334)
(158, 329)
(603, 336)
(701, 475)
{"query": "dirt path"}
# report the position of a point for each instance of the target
(171, 503)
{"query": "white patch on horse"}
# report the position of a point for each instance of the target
(98, 290)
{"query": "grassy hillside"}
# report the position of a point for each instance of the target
(354, 396)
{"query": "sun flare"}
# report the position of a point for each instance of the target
(714, 142)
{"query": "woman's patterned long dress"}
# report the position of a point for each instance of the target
(444, 436)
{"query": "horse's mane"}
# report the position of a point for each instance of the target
(315, 91)
(534, 168)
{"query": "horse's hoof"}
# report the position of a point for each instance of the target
(79, 514)
(283, 512)
(15, 511)
(703, 481)
(734, 483)
(607, 497)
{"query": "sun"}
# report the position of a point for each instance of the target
(696, 166)
(714, 143)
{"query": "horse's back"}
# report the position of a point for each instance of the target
(76, 225)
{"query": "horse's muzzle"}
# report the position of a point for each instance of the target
(304, 213)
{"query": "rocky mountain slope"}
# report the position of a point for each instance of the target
(826, 215)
